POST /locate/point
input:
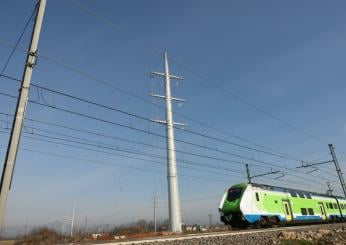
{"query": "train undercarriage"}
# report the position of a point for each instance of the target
(239, 221)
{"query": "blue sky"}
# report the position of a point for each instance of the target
(286, 57)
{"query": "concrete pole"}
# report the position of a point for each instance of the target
(173, 191)
(72, 220)
(155, 229)
(337, 167)
(248, 173)
(86, 225)
(210, 220)
(12, 149)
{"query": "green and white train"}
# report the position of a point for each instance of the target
(243, 205)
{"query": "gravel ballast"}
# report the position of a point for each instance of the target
(319, 234)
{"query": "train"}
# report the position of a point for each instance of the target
(260, 205)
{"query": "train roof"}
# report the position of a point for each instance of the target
(285, 189)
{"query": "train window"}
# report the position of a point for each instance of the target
(233, 194)
(303, 211)
(307, 194)
(293, 193)
(335, 206)
(257, 197)
(331, 205)
(301, 194)
(310, 211)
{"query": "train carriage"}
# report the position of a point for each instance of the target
(256, 204)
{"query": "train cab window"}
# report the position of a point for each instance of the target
(335, 206)
(303, 211)
(293, 193)
(233, 194)
(301, 194)
(257, 196)
(310, 211)
(307, 194)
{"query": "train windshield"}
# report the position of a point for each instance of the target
(233, 194)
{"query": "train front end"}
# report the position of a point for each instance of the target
(230, 206)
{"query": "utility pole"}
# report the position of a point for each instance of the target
(7, 173)
(173, 189)
(337, 167)
(155, 213)
(248, 173)
(210, 220)
(72, 220)
(86, 224)
(330, 190)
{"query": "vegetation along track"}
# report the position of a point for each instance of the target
(311, 234)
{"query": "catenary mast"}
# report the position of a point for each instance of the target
(11, 154)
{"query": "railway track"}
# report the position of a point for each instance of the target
(187, 237)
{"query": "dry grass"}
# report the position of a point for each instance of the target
(43, 236)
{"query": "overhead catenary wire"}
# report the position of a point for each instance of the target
(247, 159)
(123, 149)
(140, 130)
(108, 136)
(113, 164)
(147, 119)
(69, 145)
(110, 85)
(126, 150)
(112, 108)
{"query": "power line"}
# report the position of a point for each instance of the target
(107, 136)
(129, 152)
(140, 130)
(132, 141)
(97, 134)
(75, 70)
(130, 157)
(99, 144)
(117, 165)
(149, 120)
(18, 40)
(110, 164)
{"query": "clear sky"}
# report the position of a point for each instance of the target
(285, 57)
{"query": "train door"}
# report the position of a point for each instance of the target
(287, 210)
(323, 211)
